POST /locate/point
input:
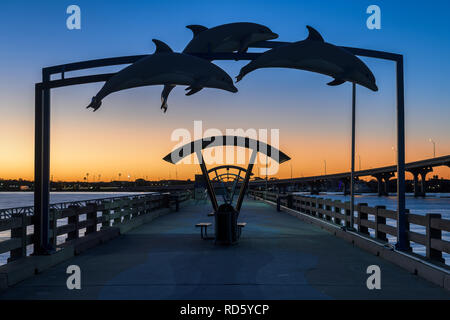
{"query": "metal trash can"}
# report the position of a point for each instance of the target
(226, 225)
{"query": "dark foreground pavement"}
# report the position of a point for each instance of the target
(278, 257)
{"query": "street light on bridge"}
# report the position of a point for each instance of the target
(434, 147)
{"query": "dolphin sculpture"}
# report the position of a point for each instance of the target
(229, 37)
(166, 67)
(314, 54)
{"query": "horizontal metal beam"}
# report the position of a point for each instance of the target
(97, 63)
(74, 81)
(88, 64)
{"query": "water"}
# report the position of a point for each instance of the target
(25, 199)
(433, 203)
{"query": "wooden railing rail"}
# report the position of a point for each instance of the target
(381, 221)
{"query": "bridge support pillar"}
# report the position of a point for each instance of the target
(386, 184)
(313, 188)
(416, 184)
(423, 181)
(383, 183)
(422, 172)
(346, 187)
(380, 189)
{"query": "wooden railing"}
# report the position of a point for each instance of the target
(338, 212)
(69, 219)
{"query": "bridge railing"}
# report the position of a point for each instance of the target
(70, 221)
(376, 222)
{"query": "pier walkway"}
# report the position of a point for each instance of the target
(277, 257)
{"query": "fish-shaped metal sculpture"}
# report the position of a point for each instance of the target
(316, 55)
(166, 67)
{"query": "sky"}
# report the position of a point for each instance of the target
(130, 135)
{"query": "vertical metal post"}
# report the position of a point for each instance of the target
(46, 165)
(267, 163)
(38, 167)
(209, 188)
(402, 237)
(246, 180)
(42, 168)
(352, 173)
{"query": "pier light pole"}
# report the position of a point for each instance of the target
(352, 173)
(267, 162)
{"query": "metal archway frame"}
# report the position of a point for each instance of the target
(228, 196)
(218, 141)
(42, 128)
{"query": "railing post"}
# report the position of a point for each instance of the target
(20, 232)
(337, 211)
(54, 229)
(118, 212)
(432, 233)
(316, 206)
(290, 201)
(73, 220)
(91, 215)
(347, 217)
(105, 214)
(328, 211)
(278, 203)
(362, 216)
(128, 205)
(379, 220)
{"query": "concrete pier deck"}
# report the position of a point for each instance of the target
(278, 257)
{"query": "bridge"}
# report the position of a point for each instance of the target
(382, 174)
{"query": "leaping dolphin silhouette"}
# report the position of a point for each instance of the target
(166, 67)
(314, 54)
(229, 37)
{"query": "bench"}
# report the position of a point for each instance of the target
(204, 226)
(240, 225)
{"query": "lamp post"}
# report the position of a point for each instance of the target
(267, 162)
(395, 153)
(325, 166)
(434, 147)
(352, 173)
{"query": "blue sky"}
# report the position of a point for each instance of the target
(34, 35)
